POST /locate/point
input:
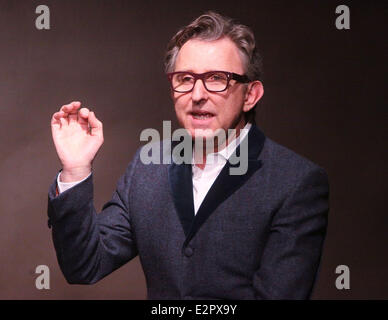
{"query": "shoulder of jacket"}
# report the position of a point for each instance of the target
(286, 162)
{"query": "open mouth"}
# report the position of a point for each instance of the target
(201, 115)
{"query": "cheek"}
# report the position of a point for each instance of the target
(179, 109)
(230, 112)
(180, 112)
(180, 103)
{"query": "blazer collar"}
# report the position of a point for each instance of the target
(180, 179)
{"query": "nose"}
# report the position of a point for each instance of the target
(199, 92)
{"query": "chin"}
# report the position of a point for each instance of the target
(206, 133)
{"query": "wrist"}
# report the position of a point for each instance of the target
(75, 173)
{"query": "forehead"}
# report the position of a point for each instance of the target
(201, 56)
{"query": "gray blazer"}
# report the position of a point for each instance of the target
(255, 236)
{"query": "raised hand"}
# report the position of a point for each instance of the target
(77, 135)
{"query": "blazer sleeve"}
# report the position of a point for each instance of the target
(91, 245)
(291, 258)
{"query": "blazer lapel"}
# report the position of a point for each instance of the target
(181, 183)
(226, 184)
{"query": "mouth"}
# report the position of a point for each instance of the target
(201, 115)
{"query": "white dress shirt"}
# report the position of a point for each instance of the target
(63, 186)
(203, 179)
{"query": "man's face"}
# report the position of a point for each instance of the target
(225, 108)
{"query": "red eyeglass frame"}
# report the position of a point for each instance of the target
(202, 76)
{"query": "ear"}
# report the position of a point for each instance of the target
(253, 94)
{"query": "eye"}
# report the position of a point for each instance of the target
(216, 77)
(186, 78)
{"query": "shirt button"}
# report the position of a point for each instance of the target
(188, 251)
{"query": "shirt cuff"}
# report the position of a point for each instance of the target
(63, 186)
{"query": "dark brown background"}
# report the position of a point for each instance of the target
(323, 99)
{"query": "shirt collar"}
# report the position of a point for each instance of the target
(220, 157)
(231, 147)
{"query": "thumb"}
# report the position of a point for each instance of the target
(95, 124)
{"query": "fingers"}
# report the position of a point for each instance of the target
(71, 107)
(67, 113)
(84, 113)
(83, 116)
(57, 116)
(71, 111)
(58, 119)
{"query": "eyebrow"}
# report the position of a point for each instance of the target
(190, 70)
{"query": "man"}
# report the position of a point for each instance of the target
(200, 232)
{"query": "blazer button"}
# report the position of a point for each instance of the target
(188, 251)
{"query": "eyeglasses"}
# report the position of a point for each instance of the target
(213, 81)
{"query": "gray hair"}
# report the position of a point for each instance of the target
(213, 26)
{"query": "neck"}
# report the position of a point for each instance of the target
(216, 145)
